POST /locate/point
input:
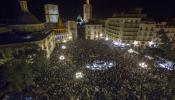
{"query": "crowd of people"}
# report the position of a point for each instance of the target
(126, 80)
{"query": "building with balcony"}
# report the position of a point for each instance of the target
(124, 26)
(148, 31)
(145, 33)
(93, 31)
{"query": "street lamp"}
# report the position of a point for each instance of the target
(143, 65)
(63, 47)
(131, 51)
(64, 41)
(78, 75)
(106, 38)
(101, 35)
(96, 36)
(136, 43)
(62, 57)
(70, 37)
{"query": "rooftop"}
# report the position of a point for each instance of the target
(13, 38)
(26, 18)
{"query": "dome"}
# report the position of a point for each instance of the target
(27, 22)
(26, 18)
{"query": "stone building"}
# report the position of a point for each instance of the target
(72, 29)
(87, 11)
(26, 35)
(124, 26)
(61, 32)
(93, 31)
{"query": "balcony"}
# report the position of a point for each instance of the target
(130, 30)
(128, 38)
(130, 33)
(116, 25)
(114, 28)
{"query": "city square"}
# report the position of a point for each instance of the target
(70, 78)
(87, 50)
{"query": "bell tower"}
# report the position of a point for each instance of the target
(23, 5)
(87, 2)
(87, 11)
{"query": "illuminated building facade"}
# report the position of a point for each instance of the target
(51, 13)
(133, 28)
(168, 29)
(4, 28)
(87, 10)
(61, 32)
(72, 29)
(123, 27)
(93, 31)
(148, 32)
(14, 45)
(27, 34)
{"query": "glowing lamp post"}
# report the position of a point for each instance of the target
(143, 65)
(106, 38)
(70, 37)
(96, 36)
(64, 41)
(63, 47)
(101, 35)
(136, 43)
(78, 75)
(131, 51)
(62, 57)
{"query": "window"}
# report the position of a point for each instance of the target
(1, 56)
(146, 29)
(152, 29)
(15, 55)
(140, 28)
(20, 51)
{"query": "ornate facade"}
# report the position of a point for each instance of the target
(27, 34)
(61, 32)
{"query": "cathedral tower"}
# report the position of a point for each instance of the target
(23, 5)
(87, 11)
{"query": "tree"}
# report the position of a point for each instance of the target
(19, 72)
(40, 64)
(18, 75)
(165, 43)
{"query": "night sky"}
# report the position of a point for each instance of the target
(158, 9)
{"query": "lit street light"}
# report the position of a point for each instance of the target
(62, 57)
(70, 37)
(101, 35)
(63, 47)
(143, 65)
(64, 41)
(79, 75)
(106, 38)
(96, 36)
(131, 51)
(136, 43)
